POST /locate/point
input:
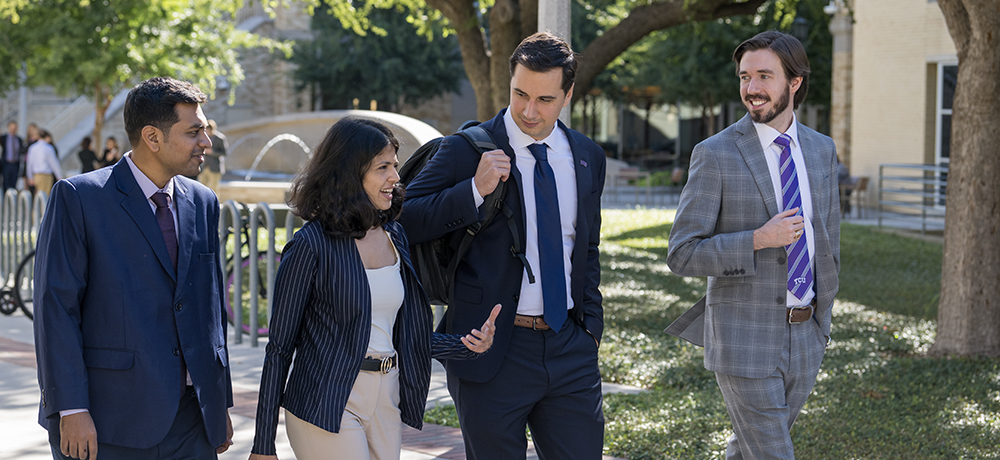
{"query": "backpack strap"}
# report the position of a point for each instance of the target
(483, 141)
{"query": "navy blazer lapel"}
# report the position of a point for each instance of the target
(185, 229)
(137, 206)
(749, 146)
(582, 169)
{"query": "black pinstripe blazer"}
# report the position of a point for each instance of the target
(322, 315)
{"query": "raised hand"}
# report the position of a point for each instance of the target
(481, 339)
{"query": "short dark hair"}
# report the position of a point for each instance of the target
(85, 143)
(790, 51)
(542, 52)
(330, 189)
(153, 102)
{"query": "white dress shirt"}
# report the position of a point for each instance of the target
(561, 160)
(772, 151)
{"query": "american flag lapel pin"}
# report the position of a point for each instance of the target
(583, 163)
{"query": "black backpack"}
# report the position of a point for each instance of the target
(434, 261)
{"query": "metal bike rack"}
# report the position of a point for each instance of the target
(260, 210)
(236, 300)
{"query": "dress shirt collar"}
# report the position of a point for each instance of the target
(766, 134)
(147, 185)
(519, 142)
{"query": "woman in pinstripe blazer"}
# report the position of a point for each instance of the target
(349, 308)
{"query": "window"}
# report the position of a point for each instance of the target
(947, 76)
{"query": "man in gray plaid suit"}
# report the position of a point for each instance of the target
(760, 218)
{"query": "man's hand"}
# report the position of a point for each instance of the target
(229, 435)
(481, 339)
(494, 166)
(782, 230)
(78, 436)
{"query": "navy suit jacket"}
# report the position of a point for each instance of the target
(322, 316)
(112, 316)
(3, 147)
(439, 202)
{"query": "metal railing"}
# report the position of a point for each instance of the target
(20, 215)
(911, 191)
(239, 224)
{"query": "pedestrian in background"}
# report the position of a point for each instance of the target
(215, 158)
(10, 152)
(111, 154)
(88, 159)
(42, 167)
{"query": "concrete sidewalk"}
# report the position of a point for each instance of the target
(22, 438)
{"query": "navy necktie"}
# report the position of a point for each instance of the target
(165, 217)
(800, 276)
(550, 245)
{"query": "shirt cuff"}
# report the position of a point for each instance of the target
(64, 413)
(479, 200)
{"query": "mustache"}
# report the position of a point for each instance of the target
(763, 97)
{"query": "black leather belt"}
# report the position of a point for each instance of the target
(383, 365)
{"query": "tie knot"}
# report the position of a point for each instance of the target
(539, 151)
(160, 199)
(783, 140)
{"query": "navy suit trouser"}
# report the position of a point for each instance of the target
(548, 382)
(10, 171)
(186, 439)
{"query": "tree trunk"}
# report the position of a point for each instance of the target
(463, 17)
(102, 99)
(505, 35)
(969, 309)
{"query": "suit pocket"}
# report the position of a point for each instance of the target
(207, 257)
(104, 358)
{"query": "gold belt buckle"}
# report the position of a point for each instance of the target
(386, 365)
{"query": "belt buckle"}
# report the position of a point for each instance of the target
(793, 309)
(386, 365)
(534, 323)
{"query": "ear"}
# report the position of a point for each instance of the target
(794, 84)
(569, 95)
(152, 137)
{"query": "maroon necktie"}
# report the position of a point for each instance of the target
(165, 217)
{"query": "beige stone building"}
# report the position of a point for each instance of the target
(893, 85)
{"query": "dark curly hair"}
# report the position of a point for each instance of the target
(330, 189)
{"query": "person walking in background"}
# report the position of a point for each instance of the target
(760, 218)
(130, 329)
(10, 153)
(215, 158)
(42, 165)
(543, 370)
(111, 154)
(349, 308)
(88, 159)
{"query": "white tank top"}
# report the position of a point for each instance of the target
(386, 286)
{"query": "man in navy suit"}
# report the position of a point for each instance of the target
(542, 370)
(130, 336)
(10, 155)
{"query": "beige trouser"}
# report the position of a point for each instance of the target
(370, 430)
(44, 182)
(210, 179)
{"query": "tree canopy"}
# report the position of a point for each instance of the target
(99, 47)
(391, 68)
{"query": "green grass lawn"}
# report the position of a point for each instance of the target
(877, 396)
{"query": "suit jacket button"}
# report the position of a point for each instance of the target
(781, 260)
(726, 273)
(780, 300)
(516, 297)
(178, 307)
(177, 352)
(742, 271)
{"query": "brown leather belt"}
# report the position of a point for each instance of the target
(383, 365)
(531, 322)
(800, 314)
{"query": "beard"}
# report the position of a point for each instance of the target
(760, 116)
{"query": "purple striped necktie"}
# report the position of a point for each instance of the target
(165, 218)
(800, 275)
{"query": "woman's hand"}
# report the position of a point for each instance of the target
(481, 340)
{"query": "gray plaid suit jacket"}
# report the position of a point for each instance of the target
(728, 196)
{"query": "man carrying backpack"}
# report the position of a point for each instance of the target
(542, 370)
